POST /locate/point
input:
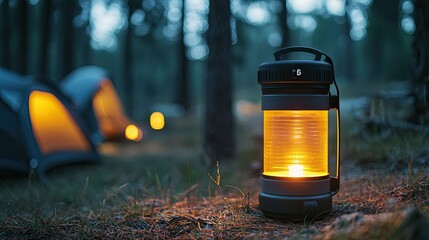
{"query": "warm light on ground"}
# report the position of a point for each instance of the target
(157, 121)
(132, 132)
(296, 170)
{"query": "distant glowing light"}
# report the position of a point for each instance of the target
(274, 39)
(138, 17)
(357, 16)
(357, 34)
(192, 39)
(407, 22)
(336, 7)
(305, 22)
(359, 24)
(133, 133)
(258, 14)
(198, 5)
(198, 52)
(106, 22)
(174, 15)
(157, 120)
(364, 2)
(296, 170)
(195, 25)
(304, 6)
(408, 25)
(170, 31)
(407, 7)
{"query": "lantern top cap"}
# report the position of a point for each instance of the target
(284, 71)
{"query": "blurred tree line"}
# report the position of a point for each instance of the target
(183, 51)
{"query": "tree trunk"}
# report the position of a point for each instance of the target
(420, 72)
(383, 28)
(22, 53)
(45, 37)
(127, 68)
(182, 92)
(66, 43)
(85, 45)
(85, 39)
(81, 30)
(219, 122)
(349, 51)
(4, 24)
(283, 24)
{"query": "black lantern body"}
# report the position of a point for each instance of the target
(296, 99)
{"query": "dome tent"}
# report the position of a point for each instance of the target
(13, 155)
(39, 129)
(95, 97)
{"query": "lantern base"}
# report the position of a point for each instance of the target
(295, 199)
(295, 207)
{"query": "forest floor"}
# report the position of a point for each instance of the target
(161, 189)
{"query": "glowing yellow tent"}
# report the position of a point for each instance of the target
(95, 97)
(38, 127)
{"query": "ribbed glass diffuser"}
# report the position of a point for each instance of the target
(296, 143)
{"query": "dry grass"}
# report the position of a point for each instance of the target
(377, 206)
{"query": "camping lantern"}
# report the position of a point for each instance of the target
(296, 99)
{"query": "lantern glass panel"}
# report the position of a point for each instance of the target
(296, 143)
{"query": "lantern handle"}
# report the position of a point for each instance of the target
(334, 102)
(335, 181)
(318, 54)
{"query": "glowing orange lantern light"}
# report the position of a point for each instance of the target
(133, 133)
(296, 99)
(157, 120)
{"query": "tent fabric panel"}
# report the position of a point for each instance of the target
(65, 158)
(109, 111)
(11, 80)
(13, 153)
(11, 166)
(81, 85)
(12, 98)
(12, 150)
(54, 128)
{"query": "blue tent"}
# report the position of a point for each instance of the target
(92, 92)
(39, 128)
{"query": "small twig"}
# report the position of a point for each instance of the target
(217, 182)
(245, 196)
(237, 188)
